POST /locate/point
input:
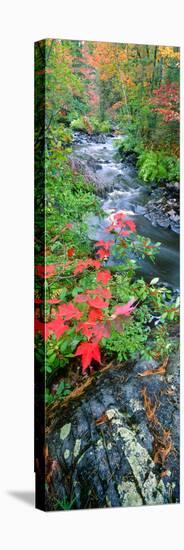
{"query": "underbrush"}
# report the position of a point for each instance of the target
(153, 165)
(158, 166)
(91, 125)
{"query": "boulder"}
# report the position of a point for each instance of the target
(115, 442)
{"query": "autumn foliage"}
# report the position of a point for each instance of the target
(89, 313)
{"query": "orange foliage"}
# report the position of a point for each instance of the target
(107, 59)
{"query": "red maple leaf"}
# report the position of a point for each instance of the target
(71, 252)
(53, 301)
(124, 232)
(89, 351)
(97, 302)
(104, 276)
(104, 292)
(102, 253)
(118, 215)
(131, 225)
(119, 222)
(69, 311)
(56, 325)
(46, 271)
(126, 309)
(105, 244)
(39, 327)
(95, 314)
(84, 264)
(80, 298)
(93, 330)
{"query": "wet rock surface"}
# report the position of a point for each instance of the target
(117, 444)
(163, 206)
(91, 170)
(80, 138)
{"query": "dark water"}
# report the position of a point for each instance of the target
(129, 194)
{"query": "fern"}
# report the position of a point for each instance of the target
(158, 166)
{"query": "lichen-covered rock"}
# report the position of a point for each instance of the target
(117, 444)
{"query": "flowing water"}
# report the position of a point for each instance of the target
(128, 193)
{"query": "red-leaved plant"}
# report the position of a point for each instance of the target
(89, 311)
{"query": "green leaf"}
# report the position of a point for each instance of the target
(52, 358)
(63, 293)
(154, 281)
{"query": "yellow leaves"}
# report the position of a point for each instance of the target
(168, 52)
(107, 59)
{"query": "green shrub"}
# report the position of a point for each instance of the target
(158, 166)
(99, 127)
(91, 124)
(105, 127)
(78, 124)
(129, 144)
(137, 338)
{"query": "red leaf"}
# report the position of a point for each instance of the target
(71, 252)
(126, 309)
(119, 222)
(84, 264)
(102, 253)
(118, 215)
(80, 298)
(89, 351)
(104, 276)
(69, 311)
(104, 244)
(57, 326)
(131, 225)
(51, 301)
(97, 302)
(95, 314)
(39, 327)
(104, 292)
(93, 330)
(46, 271)
(124, 232)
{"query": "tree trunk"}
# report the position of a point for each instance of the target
(154, 68)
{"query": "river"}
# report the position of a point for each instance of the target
(128, 193)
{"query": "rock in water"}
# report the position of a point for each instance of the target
(117, 444)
